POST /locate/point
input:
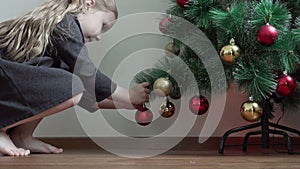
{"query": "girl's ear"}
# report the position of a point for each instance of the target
(89, 3)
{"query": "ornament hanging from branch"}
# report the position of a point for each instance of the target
(230, 53)
(163, 23)
(286, 85)
(199, 105)
(251, 111)
(167, 109)
(162, 87)
(171, 49)
(185, 3)
(267, 35)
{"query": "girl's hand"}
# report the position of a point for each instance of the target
(133, 98)
(139, 94)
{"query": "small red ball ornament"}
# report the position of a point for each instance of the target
(143, 116)
(199, 105)
(267, 35)
(184, 3)
(163, 24)
(286, 85)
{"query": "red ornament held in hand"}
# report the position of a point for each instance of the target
(143, 116)
(199, 105)
(286, 85)
(267, 35)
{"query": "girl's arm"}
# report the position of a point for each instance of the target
(128, 99)
(109, 104)
(71, 50)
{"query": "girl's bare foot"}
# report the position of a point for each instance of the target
(21, 135)
(33, 144)
(7, 147)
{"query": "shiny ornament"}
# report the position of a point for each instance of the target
(185, 3)
(143, 116)
(230, 53)
(199, 105)
(171, 48)
(162, 87)
(286, 85)
(167, 109)
(164, 23)
(267, 35)
(251, 111)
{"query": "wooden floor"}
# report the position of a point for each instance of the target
(82, 153)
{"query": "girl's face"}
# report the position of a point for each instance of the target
(95, 22)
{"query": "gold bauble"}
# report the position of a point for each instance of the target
(167, 109)
(230, 53)
(162, 87)
(251, 111)
(171, 48)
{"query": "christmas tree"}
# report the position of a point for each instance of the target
(258, 45)
(257, 41)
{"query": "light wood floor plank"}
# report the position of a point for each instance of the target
(81, 153)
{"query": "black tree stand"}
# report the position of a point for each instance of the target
(265, 125)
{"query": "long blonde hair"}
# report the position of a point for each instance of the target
(27, 37)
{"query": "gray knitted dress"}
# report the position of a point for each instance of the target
(27, 89)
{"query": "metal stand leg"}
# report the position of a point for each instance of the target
(234, 130)
(265, 131)
(279, 132)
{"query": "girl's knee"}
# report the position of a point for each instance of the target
(76, 99)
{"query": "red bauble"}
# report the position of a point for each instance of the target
(286, 85)
(199, 105)
(143, 116)
(184, 3)
(163, 24)
(267, 35)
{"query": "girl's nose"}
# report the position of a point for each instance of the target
(98, 38)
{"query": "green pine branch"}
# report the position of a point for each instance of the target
(255, 80)
(274, 13)
(239, 19)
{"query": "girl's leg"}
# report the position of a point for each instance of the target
(26, 127)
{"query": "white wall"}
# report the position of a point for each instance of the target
(111, 53)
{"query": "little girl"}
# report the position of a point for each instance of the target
(45, 69)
